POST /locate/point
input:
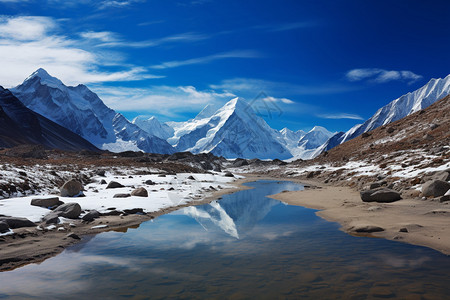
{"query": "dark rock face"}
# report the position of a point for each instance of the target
(381, 195)
(46, 202)
(140, 192)
(50, 218)
(4, 227)
(134, 211)
(17, 222)
(114, 185)
(71, 188)
(70, 210)
(121, 196)
(435, 188)
(90, 216)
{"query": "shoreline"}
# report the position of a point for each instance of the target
(31, 246)
(417, 222)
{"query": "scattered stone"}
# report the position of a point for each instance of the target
(134, 211)
(149, 182)
(70, 210)
(114, 185)
(100, 173)
(90, 216)
(61, 229)
(73, 236)
(71, 188)
(383, 195)
(50, 218)
(403, 229)
(122, 195)
(390, 130)
(433, 126)
(191, 177)
(435, 188)
(140, 192)
(103, 181)
(374, 208)
(366, 228)
(229, 174)
(444, 198)
(4, 227)
(365, 135)
(442, 175)
(46, 202)
(17, 222)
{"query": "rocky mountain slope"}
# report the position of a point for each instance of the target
(19, 125)
(83, 112)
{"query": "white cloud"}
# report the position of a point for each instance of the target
(187, 37)
(340, 116)
(273, 99)
(164, 100)
(28, 43)
(381, 75)
(209, 58)
(103, 36)
(118, 3)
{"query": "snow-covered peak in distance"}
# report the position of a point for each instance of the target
(399, 108)
(83, 112)
(154, 127)
(315, 138)
(45, 78)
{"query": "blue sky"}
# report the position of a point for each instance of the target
(328, 63)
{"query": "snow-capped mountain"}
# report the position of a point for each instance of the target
(154, 127)
(410, 103)
(309, 143)
(20, 125)
(232, 131)
(83, 112)
(290, 137)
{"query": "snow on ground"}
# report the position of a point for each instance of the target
(183, 190)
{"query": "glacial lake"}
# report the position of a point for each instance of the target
(245, 246)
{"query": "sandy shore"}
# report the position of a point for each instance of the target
(30, 245)
(419, 222)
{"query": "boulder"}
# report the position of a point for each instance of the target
(133, 211)
(71, 188)
(114, 185)
(121, 196)
(17, 222)
(229, 174)
(46, 202)
(442, 175)
(70, 210)
(73, 236)
(383, 195)
(103, 181)
(149, 182)
(140, 192)
(100, 173)
(366, 228)
(4, 227)
(191, 177)
(90, 216)
(50, 218)
(435, 188)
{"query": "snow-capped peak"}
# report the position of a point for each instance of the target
(45, 78)
(153, 127)
(206, 112)
(315, 137)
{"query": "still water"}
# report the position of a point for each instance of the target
(245, 246)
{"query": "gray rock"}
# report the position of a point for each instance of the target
(149, 182)
(90, 216)
(70, 210)
(73, 236)
(133, 211)
(46, 202)
(121, 196)
(140, 192)
(442, 175)
(435, 188)
(71, 188)
(114, 185)
(191, 177)
(17, 222)
(50, 218)
(366, 228)
(383, 195)
(100, 173)
(103, 181)
(4, 227)
(444, 198)
(229, 174)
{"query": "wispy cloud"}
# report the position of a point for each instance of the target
(118, 3)
(340, 116)
(28, 43)
(102, 36)
(209, 58)
(253, 86)
(163, 100)
(282, 100)
(187, 37)
(381, 75)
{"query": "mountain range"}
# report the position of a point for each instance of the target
(233, 130)
(20, 125)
